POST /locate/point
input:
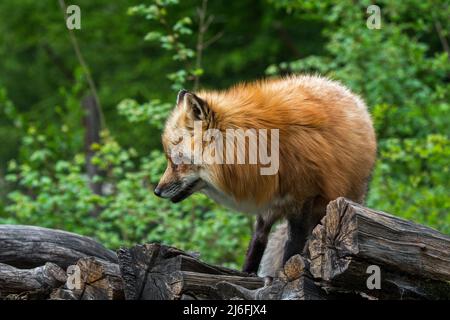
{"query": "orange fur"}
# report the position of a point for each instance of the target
(327, 142)
(327, 149)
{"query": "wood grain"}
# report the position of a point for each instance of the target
(414, 260)
(29, 247)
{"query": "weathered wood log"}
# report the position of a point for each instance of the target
(302, 288)
(102, 280)
(414, 260)
(203, 285)
(34, 283)
(97, 280)
(158, 272)
(29, 247)
(294, 283)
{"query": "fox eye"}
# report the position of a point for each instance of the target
(177, 141)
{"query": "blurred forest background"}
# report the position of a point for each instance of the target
(80, 131)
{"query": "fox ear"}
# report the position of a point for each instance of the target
(197, 108)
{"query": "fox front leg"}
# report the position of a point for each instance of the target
(300, 226)
(257, 245)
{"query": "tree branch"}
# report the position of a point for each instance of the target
(442, 38)
(90, 80)
(204, 23)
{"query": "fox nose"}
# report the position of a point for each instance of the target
(157, 191)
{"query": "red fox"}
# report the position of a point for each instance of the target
(325, 147)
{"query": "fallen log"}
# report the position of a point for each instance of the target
(346, 250)
(414, 260)
(92, 279)
(158, 272)
(29, 247)
(34, 283)
(294, 283)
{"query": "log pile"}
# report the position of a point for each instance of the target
(354, 253)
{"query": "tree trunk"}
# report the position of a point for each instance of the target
(92, 126)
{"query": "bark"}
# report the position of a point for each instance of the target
(33, 283)
(158, 272)
(414, 260)
(29, 247)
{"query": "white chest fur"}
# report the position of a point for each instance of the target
(228, 201)
(246, 206)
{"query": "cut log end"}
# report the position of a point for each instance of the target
(351, 240)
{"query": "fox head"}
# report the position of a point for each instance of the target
(183, 175)
(212, 144)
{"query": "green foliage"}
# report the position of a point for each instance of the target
(412, 179)
(140, 55)
(154, 112)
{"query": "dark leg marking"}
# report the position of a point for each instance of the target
(298, 230)
(257, 245)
